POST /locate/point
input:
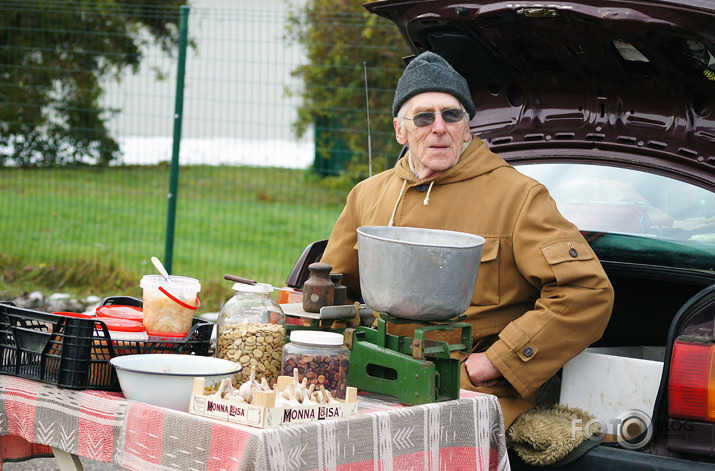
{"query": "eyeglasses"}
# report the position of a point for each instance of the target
(452, 115)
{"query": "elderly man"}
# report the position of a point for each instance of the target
(541, 295)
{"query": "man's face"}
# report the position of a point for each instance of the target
(435, 148)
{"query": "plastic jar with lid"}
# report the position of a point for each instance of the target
(251, 330)
(169, 306)
(319, 356)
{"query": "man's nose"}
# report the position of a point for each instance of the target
(439, 126)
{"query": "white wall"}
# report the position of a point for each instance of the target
(233, 90)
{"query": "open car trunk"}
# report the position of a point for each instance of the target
(646, 302)
(626, 373)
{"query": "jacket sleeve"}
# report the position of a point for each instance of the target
(341, 252)
(574, 305)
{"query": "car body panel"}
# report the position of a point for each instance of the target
(605, 457)
(593, 81)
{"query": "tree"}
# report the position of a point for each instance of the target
(54, 57)
(339, 36)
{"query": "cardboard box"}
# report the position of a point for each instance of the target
(263, 413)
(612, 382)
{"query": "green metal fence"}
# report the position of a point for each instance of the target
(247, 198)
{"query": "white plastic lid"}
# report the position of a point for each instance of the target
(182, 284)
(316, 337)
(257, 288)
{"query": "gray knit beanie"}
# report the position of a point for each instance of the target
(429, 72)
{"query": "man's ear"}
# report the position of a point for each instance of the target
(467, 134)
(400, 133)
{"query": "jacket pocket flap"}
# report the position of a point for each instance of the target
(490, 249)
(566, 251)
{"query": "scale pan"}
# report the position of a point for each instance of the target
(418, 274)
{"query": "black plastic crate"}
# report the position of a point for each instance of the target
(74, 353)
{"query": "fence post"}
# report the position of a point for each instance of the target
(178, 117)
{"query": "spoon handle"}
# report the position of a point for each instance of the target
(238, 279)
(248, 281)
(159, 266)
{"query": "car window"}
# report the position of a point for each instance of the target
(640, 211)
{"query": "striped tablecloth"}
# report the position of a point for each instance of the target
(463, 434)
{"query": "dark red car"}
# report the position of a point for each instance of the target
(610, 104)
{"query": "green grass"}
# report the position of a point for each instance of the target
(89, 231)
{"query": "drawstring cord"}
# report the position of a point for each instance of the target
(429, 190)
(402, 190)
(399, 197)
(394, 210)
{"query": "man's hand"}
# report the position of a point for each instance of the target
(482, 372)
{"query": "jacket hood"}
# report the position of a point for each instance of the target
(476, 160)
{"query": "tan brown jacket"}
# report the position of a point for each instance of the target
(541, 295)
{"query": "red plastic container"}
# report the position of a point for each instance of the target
(121, 312)
(78, 315)
(165, 336)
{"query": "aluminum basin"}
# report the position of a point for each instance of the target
(418, 274)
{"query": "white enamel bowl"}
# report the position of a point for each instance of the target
(165, 379)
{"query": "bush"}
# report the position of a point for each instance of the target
(344, 44)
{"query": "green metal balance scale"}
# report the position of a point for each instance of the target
(415, 370)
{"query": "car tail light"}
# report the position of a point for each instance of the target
(691, 389)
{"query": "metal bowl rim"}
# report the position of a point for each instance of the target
(479, 240)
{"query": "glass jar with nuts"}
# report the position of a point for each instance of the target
(320, 357)
(251, 331)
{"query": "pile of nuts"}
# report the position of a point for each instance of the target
(329, 371)
(252, 345)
